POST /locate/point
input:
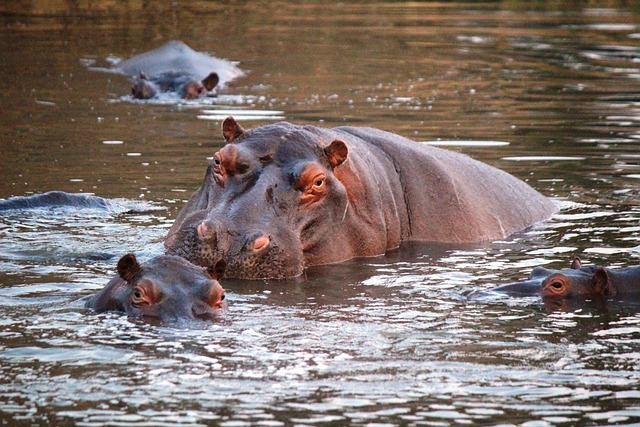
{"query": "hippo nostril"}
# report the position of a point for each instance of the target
(261, 243)
(203, 229)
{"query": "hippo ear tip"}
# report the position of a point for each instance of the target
(231, 130)
(128, 266)
(336, 153)
(576, 264)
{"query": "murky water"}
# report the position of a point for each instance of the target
(549, 93)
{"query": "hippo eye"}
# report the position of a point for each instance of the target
(319, 182)
(137, 294)
(556, 285)
(222, 297)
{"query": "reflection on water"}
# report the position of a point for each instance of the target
(547, 91)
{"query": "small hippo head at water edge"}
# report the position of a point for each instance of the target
(165, 287)
(282, 197)
(184, 85)
(574, 282)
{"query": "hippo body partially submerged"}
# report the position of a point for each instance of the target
(55, 199)
(281, 197)
(165, 287)
(576, 281)
(175, 67)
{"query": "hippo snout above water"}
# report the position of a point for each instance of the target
(184, 85)
(165, 287)
(576, 281)
(177, 69)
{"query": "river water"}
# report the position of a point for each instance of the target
(548, 91)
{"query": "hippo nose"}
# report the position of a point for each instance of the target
(207, 230)
(259, 243)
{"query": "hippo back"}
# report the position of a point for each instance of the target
(453, 198)
(177, 57)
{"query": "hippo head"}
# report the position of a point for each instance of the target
(165, 287)
(198, 89)
(143, 88)
(577, 282)
(269, 204)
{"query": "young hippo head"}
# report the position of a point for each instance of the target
(166, 287)
(578, 282)
(274, 205)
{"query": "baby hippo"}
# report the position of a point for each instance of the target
(185, 85)
(577, 281)
(166, 287)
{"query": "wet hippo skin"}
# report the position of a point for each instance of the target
(282, 197)
(165, 287)
(576, 281)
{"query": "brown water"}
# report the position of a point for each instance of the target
(382, 341)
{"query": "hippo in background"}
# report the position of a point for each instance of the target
(281, 197)
(575, 282)
(182, 84)
(166, 287)
(176, 68)
(56, 199)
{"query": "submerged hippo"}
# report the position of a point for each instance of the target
(576, 281)
(175, 67)
(165, 287)
(184, 85)
(282, 197)
(55, 199)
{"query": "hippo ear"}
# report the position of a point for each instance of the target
(128, 267)
(211, 81)
(602, 282)
(216, 271)
(231, 130)
(336, 153)
(576, 264)
(143, 75)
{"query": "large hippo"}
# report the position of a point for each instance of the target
(282, 197)
(576, 281)
(165, 287)
(175, 67)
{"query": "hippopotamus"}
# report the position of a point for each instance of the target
(55, 199)
(282, 197)
(576, 281)
(175, 67)
(166, 287)
(184, 85)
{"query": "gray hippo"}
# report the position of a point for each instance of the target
(165, 287)
(576, 281)
(279, 198)
(55, 199)
(175, 67)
